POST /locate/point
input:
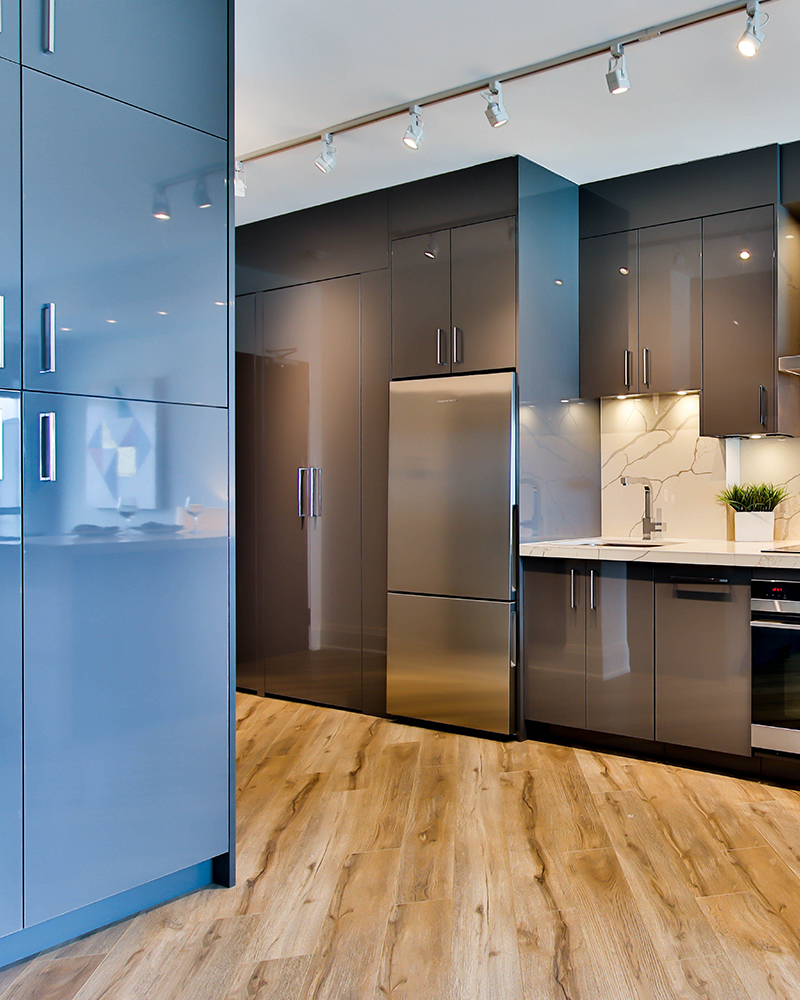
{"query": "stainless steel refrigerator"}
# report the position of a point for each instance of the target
(452, 564)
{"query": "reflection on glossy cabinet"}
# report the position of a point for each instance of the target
(170, 58)
(421, 305)
(738, 323)
(10, 205)
(10, 667)
(117, 301)
(126, 691)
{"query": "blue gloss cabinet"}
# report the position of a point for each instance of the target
(10, 205)
(139, 304)
(170, 58)
(126, 640)
(10, 667)
(9, 31)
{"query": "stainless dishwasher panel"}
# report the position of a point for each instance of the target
(452, 486)
(450, 661)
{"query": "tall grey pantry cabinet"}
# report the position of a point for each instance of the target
(124, 313)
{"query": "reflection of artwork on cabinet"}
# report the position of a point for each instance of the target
(120, 453)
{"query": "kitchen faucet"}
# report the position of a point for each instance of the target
(648, 524)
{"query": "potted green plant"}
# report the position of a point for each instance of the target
(753, 506)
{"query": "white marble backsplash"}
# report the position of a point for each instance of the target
(774, 460)
(658, 437)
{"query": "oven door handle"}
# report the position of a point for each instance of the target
(794, 628)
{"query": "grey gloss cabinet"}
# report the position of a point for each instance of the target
(10, 207)
(138, 303)
(169, 58)
(454, 300)
(9, 34)
(738, 323)
(126, 638)
(703, 657)
(10, 667)
(589, 646)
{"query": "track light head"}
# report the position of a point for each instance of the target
(326, 160)
(496, 113)
(201, 196)
(753, 35)
(161, 205)
(239, 180)
(617, 75)
(414, 134)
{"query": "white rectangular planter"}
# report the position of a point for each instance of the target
(754, 525)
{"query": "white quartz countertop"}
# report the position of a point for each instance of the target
(694, 551)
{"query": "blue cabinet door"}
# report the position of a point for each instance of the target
(9, 29)
(10, 668)
(10, 203)
(126, 645)
(116, 301)
(170, 58)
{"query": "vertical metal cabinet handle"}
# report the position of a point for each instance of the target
(762, 408)
(315, 475)
(440, 346)
(48, 338)
(2, 331)
(572, 589)
(47, 447)
(301, 492)
(646, 365)
(628, 367)
(48, 25)
(458, 345)
(592, 602)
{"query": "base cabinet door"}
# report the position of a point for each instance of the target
(126, 646)
(554, 632)
(703, 658)
(10, 667)
(619, 649)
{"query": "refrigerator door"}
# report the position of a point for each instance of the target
(449, 661)
(452, 486)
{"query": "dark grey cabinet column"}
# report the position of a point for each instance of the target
(170, 58)
(609, 362)
(9, 35)
(554, 633)
(421, 332)
(670, 307)
(619, 649)
(126, 646)
(703, 657)
(116, 301)
(738, 323)
(10, 667)
(483, 262)
(10, 206)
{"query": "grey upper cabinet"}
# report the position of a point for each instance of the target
(10, 207)
(454, 297)
(170, 58)
(608, 315)
(117, 301)
(9, 32)
(641, 311)
(126, 647)
(10, 667)
(738, 323)
(703, 657)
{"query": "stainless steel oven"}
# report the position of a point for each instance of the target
(775, 635)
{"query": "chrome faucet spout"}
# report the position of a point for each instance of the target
(648, 524)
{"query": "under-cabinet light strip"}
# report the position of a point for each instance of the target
(601, 48)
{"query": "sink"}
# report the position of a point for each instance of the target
(642, 543)
(621, 543)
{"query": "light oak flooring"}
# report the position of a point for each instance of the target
(379, 861)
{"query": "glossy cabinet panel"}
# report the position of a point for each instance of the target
(703, 657)
(670, 307)
(608, 316)
(140, 302)
(554, 633)
(421, 305)
(619, 649)
(10, 667)
(9, 30)
(738, 323)
(126, 646)
(10, 207)
(483, 260)
(170, 58)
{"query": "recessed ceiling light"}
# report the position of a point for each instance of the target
(744, 255)
(414, 133)
(622, 397)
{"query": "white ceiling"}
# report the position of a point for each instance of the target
(304, 66)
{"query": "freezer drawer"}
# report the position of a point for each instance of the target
(449, 661)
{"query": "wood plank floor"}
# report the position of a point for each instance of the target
(379, 861)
